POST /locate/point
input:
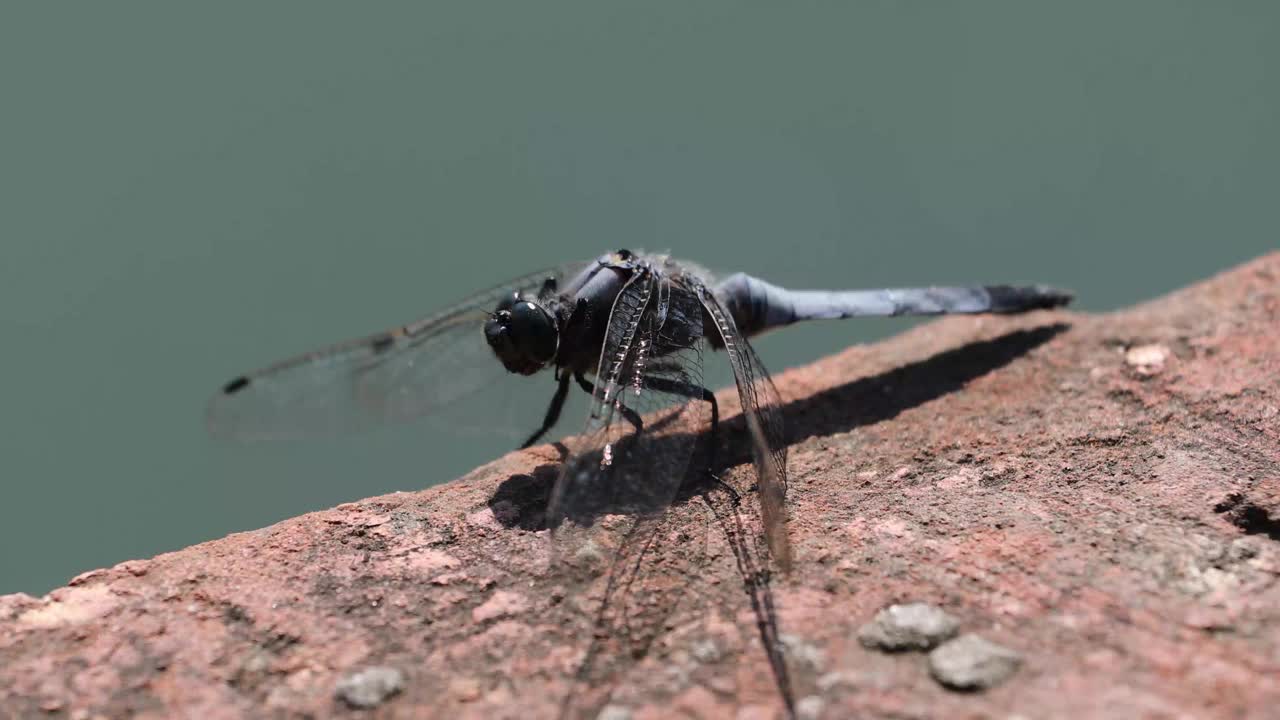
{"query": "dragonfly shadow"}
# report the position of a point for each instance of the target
(881, 397)
(651, 564)
(521, 500)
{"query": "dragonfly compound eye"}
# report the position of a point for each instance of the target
(508, 302)
(523, 336)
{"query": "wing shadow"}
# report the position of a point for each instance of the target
(753, 570)
(655, 566)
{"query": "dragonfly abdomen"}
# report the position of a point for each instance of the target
(758, 306)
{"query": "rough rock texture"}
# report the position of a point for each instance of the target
(1100, 494)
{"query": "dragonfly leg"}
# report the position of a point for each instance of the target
(548, 288)
(697, 392)
(553, 411)
(631, 415)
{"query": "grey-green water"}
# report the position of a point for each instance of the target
(190, 190)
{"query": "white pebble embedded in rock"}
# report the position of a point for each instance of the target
(1147, 359)
(614, 712)
(370, 687)
(911, 626)
(971, 662)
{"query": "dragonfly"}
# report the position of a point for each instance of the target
(630, 329)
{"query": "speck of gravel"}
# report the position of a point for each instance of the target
(803, 651)
(972, 663)
(589, 554)
(614, 712)
(909, 626)
(706, 651)
(370, 687)
(809, 708)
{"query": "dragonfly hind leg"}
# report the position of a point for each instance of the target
(693, 392)
(697, 392)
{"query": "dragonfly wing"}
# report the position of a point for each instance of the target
(642, 427)
(761, 407)
(401, 374)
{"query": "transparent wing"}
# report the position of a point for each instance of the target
(642, 428)
(401, 374)
(761, 407)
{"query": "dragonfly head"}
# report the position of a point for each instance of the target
(522, 334)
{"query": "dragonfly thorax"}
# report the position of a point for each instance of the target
(523, 334)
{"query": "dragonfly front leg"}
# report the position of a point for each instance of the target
(548, 288)
(631, 415)
(553, 411)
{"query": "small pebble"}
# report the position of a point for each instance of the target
(370, 687)
(798, 649)
(971, 662)
(1147, 359)
(910, 626)
(706, 652)
(589, 554)
(809, 708)
(614, 712)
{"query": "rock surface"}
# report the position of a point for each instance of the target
(1101, 493)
